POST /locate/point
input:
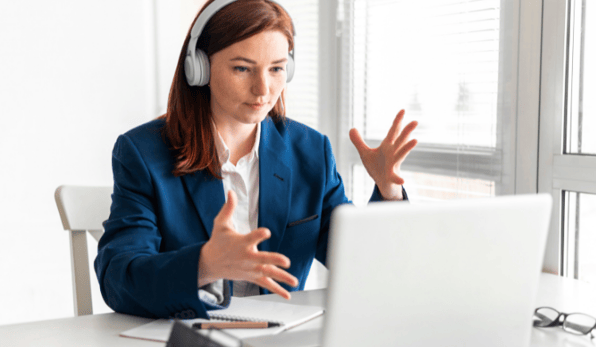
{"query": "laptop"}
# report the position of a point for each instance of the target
(460, 273)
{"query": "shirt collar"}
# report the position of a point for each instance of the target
(223, 151)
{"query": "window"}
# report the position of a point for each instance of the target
(581, 74)
(446, 64)
(567, 149)
(302, 92)
(579, 235)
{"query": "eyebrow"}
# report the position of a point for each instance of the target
(254, 62)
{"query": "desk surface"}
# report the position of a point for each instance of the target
(102, 330)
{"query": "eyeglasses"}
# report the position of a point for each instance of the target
(575, 323)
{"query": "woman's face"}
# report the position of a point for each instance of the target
(247, 78)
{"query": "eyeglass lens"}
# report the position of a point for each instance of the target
(579, 323)
(576, 323)
(545, 316)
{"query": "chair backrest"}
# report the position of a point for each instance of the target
(82, 209)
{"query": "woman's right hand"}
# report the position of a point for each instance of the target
(233, 256)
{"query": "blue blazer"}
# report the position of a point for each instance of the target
(147, 261)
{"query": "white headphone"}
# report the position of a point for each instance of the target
(196, 64)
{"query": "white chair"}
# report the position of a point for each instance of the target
(82, 209)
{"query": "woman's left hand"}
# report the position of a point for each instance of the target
(383, 163)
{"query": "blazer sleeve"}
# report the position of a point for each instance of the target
(134, 277)
(334, 195)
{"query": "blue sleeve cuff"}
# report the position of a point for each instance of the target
(376, 195)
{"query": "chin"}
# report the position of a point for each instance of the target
(262, 117)
(254, 118)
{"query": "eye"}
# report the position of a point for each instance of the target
(241, 68)
(278, 69)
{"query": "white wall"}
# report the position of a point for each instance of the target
(73, 76)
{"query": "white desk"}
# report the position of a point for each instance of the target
(102, 330)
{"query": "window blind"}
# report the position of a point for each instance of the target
(439, 60)
(302, 93)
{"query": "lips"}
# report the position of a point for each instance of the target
(257, 106)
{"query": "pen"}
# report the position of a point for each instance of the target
(235, 325)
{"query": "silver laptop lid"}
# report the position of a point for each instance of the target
(461, 273)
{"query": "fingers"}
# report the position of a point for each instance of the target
(227, 210)
(405, 134)
(397, 180)
(273, 258)
(358, 142)
(404, 150)
(257, 236)
(267, 275)
(395, 127)
(278, 274)
(273, 287)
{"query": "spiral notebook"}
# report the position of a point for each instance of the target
(240, 309)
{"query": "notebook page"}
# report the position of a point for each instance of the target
(257, 310)
(288, 314)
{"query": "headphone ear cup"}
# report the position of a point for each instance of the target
(203, 68)
(197, 70)
(189, 70)
(290, 67)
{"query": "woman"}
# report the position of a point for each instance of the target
(223, 194)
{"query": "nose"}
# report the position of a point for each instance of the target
(260, 85)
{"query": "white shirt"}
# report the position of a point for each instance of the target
(243, 179)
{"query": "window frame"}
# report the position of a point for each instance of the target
(519, 95)
(559, 171)
(536, 94)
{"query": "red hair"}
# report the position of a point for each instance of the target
(188, 117)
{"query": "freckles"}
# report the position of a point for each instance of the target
(225, 85)
(279, 88)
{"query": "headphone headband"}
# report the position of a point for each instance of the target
(207, 13)
(196, 64)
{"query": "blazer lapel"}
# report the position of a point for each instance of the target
(274, 186)
(207, 194)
